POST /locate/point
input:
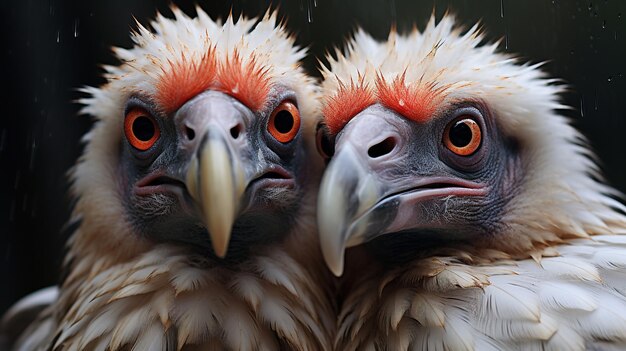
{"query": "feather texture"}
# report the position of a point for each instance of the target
(529, 305)
(162, 299)
(126, 292)
(552, 276)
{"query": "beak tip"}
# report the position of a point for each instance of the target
(347, 191)
(212, 178)
(337, 270)
(334, 262)
(220, 243)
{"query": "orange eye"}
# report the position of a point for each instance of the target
(462, 136)
(141, 129)
(284, 122)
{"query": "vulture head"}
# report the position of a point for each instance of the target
(435, 140)
(198, 140)
(197, 181)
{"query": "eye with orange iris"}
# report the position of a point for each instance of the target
(463, 136)
(141, 130)
(284, 122)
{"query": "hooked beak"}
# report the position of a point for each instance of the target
(218, 169)
(363, 196)
(347, 191)
(216, 180)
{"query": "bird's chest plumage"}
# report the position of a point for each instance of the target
(169, 300)
(573, 298)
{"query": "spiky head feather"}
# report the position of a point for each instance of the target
(419, 73)
(181, 58)
(546, 280)
(125, 291)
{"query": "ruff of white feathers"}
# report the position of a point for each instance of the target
(569, 292)
(126, 293)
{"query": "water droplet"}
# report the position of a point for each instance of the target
(76, 23)
(619, 15)
(58, 36)
(309, 11)
(571, 52)
(582, 106)
(595, 100)
(609, 79)
(314, 3)
(603, 24)
(506, 41)
(590, 6)
(501, 8)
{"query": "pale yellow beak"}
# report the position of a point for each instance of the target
(216, 180)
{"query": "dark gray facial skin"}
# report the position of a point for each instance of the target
(155, 187)
(403, 192)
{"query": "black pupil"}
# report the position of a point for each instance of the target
(143, 128)
(283, 122)
(461, 134)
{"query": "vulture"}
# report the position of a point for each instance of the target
(459, 206)
(195, 199)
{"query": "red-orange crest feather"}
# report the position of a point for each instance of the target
(349, 100)
(417, 101)
(185, 78)
(247, 83)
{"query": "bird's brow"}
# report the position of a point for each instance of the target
(185, 78)
(349, 100)
(417, 101)
(248, 82)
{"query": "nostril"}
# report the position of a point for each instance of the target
(235, 131)
(382, 148)
(190, 133)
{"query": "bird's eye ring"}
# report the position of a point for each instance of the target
(284, 122)
(141, 130)
(462, 136)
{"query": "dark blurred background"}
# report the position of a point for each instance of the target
(51, 47)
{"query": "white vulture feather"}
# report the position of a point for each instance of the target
(127, 288)
(547, 274)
